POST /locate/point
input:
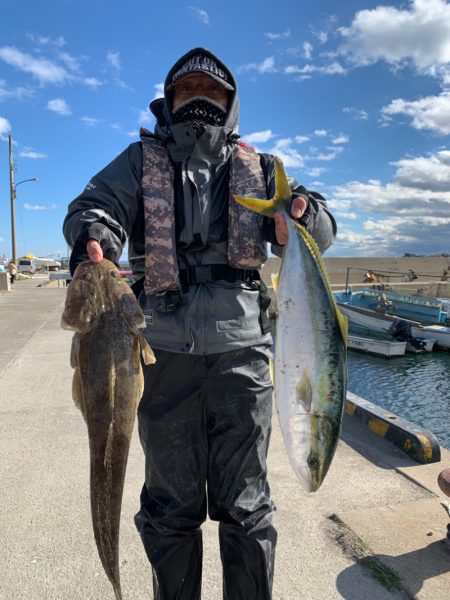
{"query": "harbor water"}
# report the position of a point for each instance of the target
(415, 387)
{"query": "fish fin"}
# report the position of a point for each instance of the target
(317, 255)
(77, 392)
(147, 353)
(264, 207)
(281, 200)
(303, 392)
(283, 192)
(108, 458)
(272, 371)
(74, 350)
(275, 277)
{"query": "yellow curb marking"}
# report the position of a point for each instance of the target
(378, 427)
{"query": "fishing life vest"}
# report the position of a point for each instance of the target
(246, 246)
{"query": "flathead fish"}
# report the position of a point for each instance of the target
(107, 385)
(310, 373)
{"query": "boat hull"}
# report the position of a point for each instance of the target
(376, 347)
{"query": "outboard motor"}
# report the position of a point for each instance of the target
(401, 330)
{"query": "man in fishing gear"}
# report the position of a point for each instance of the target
(205, 414)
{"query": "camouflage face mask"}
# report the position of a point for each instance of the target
(199, 112)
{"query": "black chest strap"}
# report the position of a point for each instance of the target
(202, 273)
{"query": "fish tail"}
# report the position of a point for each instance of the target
(281, 201)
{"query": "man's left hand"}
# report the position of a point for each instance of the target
(298, 207)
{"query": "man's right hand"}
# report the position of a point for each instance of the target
(94, 251)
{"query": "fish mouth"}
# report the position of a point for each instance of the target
(304, 476)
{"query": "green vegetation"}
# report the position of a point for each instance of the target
(356, 549)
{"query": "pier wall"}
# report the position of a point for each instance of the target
(427, 268)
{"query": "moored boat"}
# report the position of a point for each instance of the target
(424, 309)
(418, 336)
(378, 347)
(371, 308)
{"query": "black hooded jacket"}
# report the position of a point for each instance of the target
(110, 210)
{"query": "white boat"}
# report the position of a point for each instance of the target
(440, 333)
(376, 346)
(383, 323)
(428, 345)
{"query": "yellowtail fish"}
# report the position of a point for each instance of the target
(310, 373)
(107, 385)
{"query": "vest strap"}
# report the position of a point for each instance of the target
(203, 273)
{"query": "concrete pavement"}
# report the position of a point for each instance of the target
(377, 506)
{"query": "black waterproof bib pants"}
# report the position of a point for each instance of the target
(204, 424)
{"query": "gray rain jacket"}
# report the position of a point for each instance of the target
(208, 317)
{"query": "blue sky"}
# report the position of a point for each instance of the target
(354, 96)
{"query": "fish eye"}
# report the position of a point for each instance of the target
(312, 463)
(115, 274)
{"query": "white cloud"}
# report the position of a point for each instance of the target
(401, 197)
(315, 171)
(340, 214)
(159, 90)
(47, 41)
(430, 173)
(258, 137)
(301, 139)
(358, 114)
(201, 14)
(266, 66)
(70, 61)
(408, 214)
(42, 69)
(334, 153)
(417, 34)
(340, 139)
(321, 132)
(305, 72)
(278, 36)
(7, 92)
(92, 82)
(322, 36)
(91, 121)
(307, 50)
(287, 153)
(145, 117)
(5, 128)
(30, 153)
(59, 106)
(39, 207)
(114, 60)
(432, 112)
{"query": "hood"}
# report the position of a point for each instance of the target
(161, 107)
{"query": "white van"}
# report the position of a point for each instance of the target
(26, 265)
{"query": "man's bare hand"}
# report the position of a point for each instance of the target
(299, 206)
(94, 251)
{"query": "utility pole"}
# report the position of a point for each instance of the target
(12, 194)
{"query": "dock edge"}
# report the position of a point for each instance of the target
(418, 443)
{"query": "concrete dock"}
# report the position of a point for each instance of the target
(374, 531)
